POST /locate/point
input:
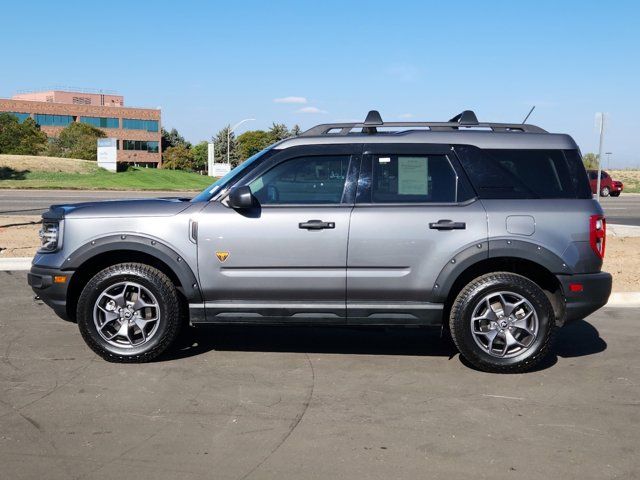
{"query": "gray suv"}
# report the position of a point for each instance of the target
(487, 230)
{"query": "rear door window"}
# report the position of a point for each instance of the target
(412, 179)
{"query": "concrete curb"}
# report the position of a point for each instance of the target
(616, 230)
(624, 299)
(617, 299)
(15, 264)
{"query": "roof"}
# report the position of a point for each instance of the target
(463, 129)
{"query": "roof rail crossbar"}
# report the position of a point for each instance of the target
(468, 117)
(373, 118)
(460, 121)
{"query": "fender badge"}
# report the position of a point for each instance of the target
(222, 256)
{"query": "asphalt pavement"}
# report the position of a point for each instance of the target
(35, 202)
(320, 403)
(622, 210)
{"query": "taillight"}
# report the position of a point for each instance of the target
(598, 234)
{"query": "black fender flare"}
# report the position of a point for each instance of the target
(494, 248)
(142, 244)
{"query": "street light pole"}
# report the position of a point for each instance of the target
(602, 121)
(231, 129)
(608, 154)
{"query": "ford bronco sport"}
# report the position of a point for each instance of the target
(488, 230)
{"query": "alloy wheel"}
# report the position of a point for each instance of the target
(504, 324)
(126, 315)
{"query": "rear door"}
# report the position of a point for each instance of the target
(284, 260)
(414, 211)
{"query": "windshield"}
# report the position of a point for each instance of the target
(220, 184)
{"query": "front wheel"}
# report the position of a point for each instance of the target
(502, 322)
(129, 312)
(604, 192)
(615, 194)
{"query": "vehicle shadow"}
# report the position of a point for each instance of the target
(577, 339)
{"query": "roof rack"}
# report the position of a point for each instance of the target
(466, 119)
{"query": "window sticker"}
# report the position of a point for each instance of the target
(413, 176)
(384, 160)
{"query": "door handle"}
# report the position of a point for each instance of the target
(316, 225)
(447, 225)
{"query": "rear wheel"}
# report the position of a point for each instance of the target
(604, 192)
(129, 312)
(502, 322)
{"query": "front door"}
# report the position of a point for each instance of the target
(285, 259)
(414, 210)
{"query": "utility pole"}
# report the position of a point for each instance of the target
(602, 122)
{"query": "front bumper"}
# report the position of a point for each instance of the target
(53, 294)
(596, 288)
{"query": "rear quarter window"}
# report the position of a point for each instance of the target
(508, 173)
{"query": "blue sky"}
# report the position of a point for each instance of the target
(207, 64)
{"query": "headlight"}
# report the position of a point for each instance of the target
(49, 236)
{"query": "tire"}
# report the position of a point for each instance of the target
(480, 299)
(604, 192)
(615, 194)
(138, 295)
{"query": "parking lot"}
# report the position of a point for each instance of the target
(312, 403)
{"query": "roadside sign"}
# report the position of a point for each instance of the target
(210, 159)
(220, 169)
(108, 153)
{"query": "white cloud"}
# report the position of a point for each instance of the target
(406, 115)
(311, 110)
(301, 100)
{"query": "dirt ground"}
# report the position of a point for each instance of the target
(19, 235)
(19, 238)
(46, 164)
(630, 178)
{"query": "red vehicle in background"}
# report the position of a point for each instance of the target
(608, 186)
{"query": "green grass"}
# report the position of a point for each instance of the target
(95, 178)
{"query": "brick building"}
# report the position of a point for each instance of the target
(136, 129)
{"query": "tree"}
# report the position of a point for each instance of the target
(24, 138)
(251, 142)
(200, 156)
(295, 131)
(78, 140)
(173, 139)
(179, 157)
(590, 161)
(220, 147)
(278, 131)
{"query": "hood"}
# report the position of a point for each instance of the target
(147, 207)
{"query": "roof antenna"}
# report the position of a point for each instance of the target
(528, 115)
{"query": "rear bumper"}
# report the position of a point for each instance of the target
(53, 294)
(596, 288)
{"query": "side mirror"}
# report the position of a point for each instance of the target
(241, 198)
